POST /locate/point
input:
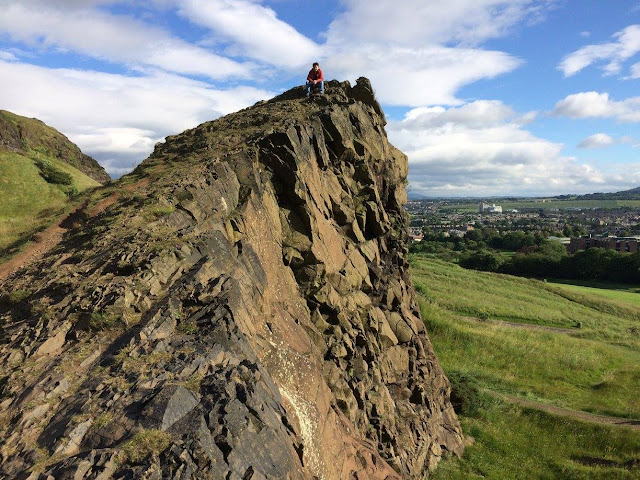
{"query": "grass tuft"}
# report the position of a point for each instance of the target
(145, 443)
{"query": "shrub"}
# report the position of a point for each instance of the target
(482, 260)
(466, 395)
(52, 175)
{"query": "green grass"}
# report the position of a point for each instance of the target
(512, 442)
(595, 369)
(623, 296)
(522, 300)
(556, 368)
(28, 201)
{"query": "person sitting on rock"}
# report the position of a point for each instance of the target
(315, 79)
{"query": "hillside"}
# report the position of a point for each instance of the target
(545, 378)
(32, 138)
(632, 194)
(41, 172)
(238, 307)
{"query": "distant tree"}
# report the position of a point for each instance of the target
(475, 235)
(579, 230)
(482, 260)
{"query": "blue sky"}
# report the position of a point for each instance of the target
(486, 97)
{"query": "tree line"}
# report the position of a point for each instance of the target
(535, 256)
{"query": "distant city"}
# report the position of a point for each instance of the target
(607, 226)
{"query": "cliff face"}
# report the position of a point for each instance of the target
(237, 307)
(27, 135)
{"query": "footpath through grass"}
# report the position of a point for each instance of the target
(511, 442)
(594, 368)
(625, 295)
(28, 202)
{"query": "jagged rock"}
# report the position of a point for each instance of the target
(242, 310)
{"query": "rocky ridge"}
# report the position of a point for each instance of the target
(238, 307)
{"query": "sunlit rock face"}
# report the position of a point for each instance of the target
(238, 307)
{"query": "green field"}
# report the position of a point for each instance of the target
(626, 295)
(29, 202)
(514, 443)
(586, 358)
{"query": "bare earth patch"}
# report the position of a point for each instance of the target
(575, 414)
(40, 244)
(52, 235)
(527, 326)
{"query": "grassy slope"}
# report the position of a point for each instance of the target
(34, 138)
(518, 443)
(595, 368)
(28, 201)
(625, 296)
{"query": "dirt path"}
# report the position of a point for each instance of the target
(41, 243)
(52, 235)
(527, 326)
(566, 412)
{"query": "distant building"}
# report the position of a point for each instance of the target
(619, 244)
(415, 234)
(563, 240)
(457, 233)
(486, 208)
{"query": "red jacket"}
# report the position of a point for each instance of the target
(313, 75)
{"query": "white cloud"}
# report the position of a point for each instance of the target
(7, 56)
(116, 118)
(418, 76)
(635, 70)
(255, 30)
(598, 105)
(627, 44)
(421, 53)
(481, 148)
(597, 140)
(115, 38)
(439, 22)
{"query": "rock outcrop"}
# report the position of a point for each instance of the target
(239, 307)
(29, 135)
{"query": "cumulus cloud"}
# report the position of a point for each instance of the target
(597, 140)
(255, 30)
(438, 22)
(482, 148)
(115, 38)
(598, 105)
(420, 75)
(625, 46)
(116, 118)
(422, 53)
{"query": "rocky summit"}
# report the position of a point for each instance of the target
(239, 307)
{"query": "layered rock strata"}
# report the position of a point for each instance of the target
(239, 307)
